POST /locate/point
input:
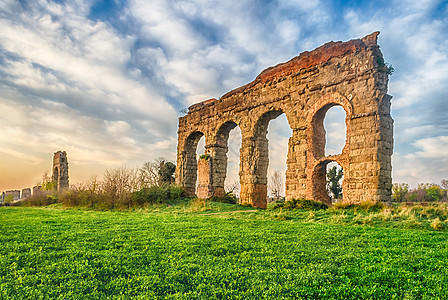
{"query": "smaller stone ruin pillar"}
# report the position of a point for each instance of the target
(205, 181)
(60, 171)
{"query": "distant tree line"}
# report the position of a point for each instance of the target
(424, 192)
(120, 188)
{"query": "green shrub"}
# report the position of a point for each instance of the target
(279, 204)
(40, 199)
(228, 198)
(157, 194)
(384, 67)
(198, 205)
(368, 206)
(426, 192)
(433, 193)
(300, 203)
(84, 197)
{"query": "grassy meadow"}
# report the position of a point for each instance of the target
(222, 251)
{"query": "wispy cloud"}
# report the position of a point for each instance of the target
(68, 80)
(429, 163)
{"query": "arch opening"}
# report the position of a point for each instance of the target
(223, 166)
(200, 148)
(56, 176)
(329, 132)
(232, 177)
(259, 166)
(278, 135)
(200, 152)
(336, 130)
(189, 162)
(328, 182)
(334, 179)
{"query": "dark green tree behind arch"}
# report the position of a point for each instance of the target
(334, 187)
(166, 172)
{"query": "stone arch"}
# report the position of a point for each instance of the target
(188, 161)
(255, 145)
(222, 134)
(218, 152)
(55, 175)
(316, 159)
(315, 123)
(319, 179)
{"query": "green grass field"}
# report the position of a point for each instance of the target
(174, 253)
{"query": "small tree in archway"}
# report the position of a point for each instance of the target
(334, 187)
(276, 185)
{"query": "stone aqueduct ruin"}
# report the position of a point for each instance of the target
(349, 74)
(60, 170)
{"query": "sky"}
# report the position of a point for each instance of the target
(107, 80)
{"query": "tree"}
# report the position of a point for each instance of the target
(166, 173)
(48, 184)
(155, 173)
(276, 185)
(118, 185)
(444, 184)
(334, 176)
(233, 188)
(9, 199)
(149, 174)
(426, 192)
(433, 193)
(399, 191)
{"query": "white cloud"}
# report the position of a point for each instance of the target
(235, 46)
(160, 22)
(58, 54)
(23, 73)
(86, 55)
(414, 43)
(434, 148)
(428, 164)
(118, 128)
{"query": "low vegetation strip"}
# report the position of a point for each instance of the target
(171, 254)
(229, 212)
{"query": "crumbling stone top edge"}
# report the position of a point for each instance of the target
(199, 105)
(305, 60)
